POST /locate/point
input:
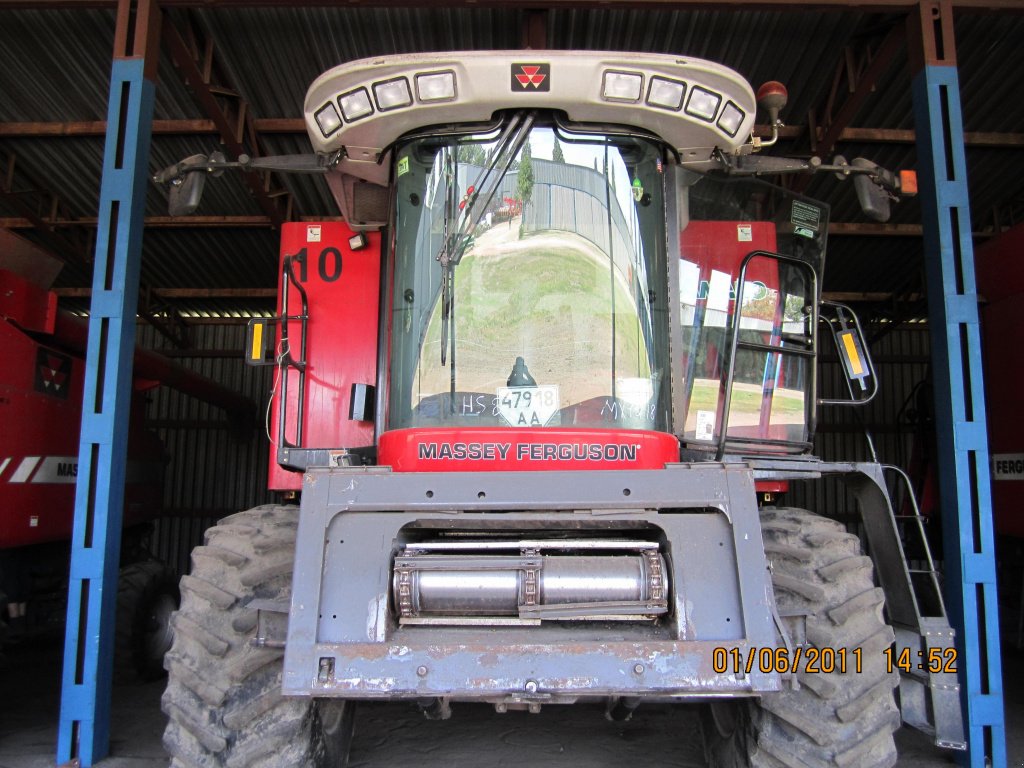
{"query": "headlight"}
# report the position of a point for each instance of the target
(622, 86)
(328, 119)
(392, 94)
(731, 119)
(666, 93)
(702, 104)
(355, 104)
(436, 86)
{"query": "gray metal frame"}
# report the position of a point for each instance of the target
(343, 639)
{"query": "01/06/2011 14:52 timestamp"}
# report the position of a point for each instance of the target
(813, 660)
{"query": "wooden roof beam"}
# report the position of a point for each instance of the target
(978, 6)
(195, 60)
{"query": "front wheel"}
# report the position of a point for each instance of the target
(833, 719)
(223, 696)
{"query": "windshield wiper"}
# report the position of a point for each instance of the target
(454, 244)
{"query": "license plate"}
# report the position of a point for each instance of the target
(528, 406)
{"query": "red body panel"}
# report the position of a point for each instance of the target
(31, 307)
(439, 449)
(343, 287)
(41, 414)
(1000, 276)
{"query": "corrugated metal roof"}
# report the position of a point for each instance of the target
(55, 65)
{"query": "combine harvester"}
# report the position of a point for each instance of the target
(535, 391)
(41, 411)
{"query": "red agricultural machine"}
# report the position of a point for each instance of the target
(534, 391)
(41, 411)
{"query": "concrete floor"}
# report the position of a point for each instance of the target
(394, 734)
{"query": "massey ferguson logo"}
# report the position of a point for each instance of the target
(531, 77)
(53, 373)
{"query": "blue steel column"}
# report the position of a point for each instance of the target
(970, 574)
(84, 731)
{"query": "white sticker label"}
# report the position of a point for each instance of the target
(705, 425)
(528, 406)
(1008, 466)
(744, 233)
(33, 522)
(313, 233)
(719, 292)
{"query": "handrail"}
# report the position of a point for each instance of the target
(287, 361)
(810, 412)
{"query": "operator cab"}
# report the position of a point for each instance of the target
(532, 288)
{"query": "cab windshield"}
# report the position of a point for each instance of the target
(529, 281)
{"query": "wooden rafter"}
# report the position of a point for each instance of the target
(195, 58)
(978, 6)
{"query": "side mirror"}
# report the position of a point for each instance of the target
(185, 193)
(187, 182)
(873, 198)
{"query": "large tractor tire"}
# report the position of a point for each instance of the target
(147, 596)
(822, 581)
(223, 696)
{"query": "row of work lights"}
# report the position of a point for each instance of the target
(661, 92)
(431, 87)
(670, 94)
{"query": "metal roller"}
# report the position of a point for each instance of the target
(452, 581)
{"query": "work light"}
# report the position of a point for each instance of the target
(435, 86)
(702, 103)
(392, 94)
(666, 93)
(622, 86)
(355, 104)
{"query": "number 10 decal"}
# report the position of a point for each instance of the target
(328, 264)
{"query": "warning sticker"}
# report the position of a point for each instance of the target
(806, 215)
(313, 233)
(744, 233)
(705, 425)
(403, 166)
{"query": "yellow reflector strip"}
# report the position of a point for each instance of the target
(257, 342)
(856, 366)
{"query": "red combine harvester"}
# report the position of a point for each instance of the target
(41, 411)
(1001, 285)
(534, 391)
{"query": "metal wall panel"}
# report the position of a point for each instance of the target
(211, 472)
(901, 361)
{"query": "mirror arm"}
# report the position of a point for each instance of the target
(764, 165)
(216, 163)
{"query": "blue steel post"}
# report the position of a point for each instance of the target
(968, 541)
(84, 731)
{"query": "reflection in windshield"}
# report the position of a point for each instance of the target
(553, 316)
(771, 397)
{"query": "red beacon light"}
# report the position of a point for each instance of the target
(772, 97)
